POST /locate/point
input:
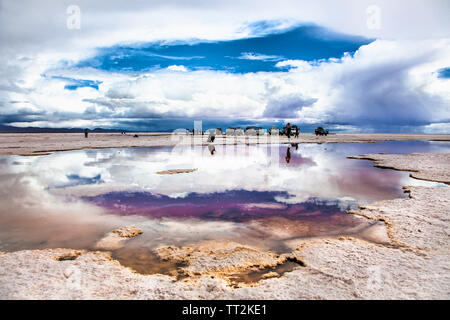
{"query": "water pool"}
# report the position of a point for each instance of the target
(263, 195)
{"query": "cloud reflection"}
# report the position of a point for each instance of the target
(311, 172)
(42, 202)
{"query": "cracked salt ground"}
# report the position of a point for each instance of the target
(342, 268)
(235, 263)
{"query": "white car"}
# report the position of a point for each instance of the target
(181, 131)
(215, 132)
(254, 131)
(230, 131)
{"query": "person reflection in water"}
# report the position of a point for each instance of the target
(211, 138)
(211, 148)
(295, 145)
(288, 155)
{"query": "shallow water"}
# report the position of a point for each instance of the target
(263, 195)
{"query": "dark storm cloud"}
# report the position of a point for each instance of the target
(382, 94)
(287, 106)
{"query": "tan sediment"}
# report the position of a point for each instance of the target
(46, 143)
(127, 232)
(70, 255)
(270, 275)
(176, 171)
(222, 259)
(116, 238)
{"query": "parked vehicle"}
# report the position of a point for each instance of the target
(181, 131)
(320, 131)
(274, 131)
(239, 132)
(217, 131)
(250, 132)
(231, 131)
(254, 131)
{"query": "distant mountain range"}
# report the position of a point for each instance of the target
(11, 129)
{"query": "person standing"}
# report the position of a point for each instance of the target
(86, 131)
(288, 130)
(212, 136)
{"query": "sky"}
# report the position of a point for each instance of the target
(360, 66)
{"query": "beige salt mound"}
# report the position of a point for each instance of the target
(39, 274)
(335, 269)
(354, 269)
(176, 171)
(220, 258)
(420, 222)
(424, 166)
(270, 275)
(116, 238)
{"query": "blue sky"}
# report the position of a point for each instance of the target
(73, 84)
(160, 65)
(259, 52)
(444, 73)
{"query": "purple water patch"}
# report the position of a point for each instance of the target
(233, 205)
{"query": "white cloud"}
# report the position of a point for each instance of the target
(298, 64)
(385, 81)
(132, 170)
(258, 56)
(177, 68)
(394, 77)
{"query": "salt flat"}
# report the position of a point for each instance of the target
(44, 143)
(414, 265)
